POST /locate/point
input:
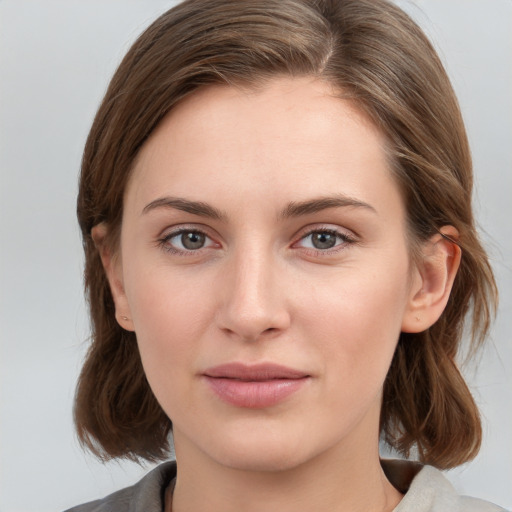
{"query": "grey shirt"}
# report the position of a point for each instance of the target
(426, 490)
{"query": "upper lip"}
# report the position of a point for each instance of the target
(254, 372)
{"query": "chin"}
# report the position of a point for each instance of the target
(269, 451)
(263, 460)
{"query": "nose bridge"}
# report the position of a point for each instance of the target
(253, 302)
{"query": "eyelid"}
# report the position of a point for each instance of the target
(348, 237)
(174, 231)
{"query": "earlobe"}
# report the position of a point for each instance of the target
(433, 281)
(113, 269)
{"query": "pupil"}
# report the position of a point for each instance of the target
(323, 240)
(192, 240)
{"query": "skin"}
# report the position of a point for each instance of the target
(259, 290)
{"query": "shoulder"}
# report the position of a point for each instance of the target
(145, 496)
(428, 490)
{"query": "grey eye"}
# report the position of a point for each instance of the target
(192, 240)
(323, 240)
(187, 242)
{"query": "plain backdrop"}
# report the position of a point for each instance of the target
(56, 57)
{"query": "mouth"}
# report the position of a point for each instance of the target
(254, 386)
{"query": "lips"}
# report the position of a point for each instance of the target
(254, 386)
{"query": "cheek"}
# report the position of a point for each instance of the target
(169, 314)
(356, 323)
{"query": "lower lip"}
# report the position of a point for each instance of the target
(254, 394)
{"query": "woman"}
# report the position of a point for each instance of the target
(280, 254)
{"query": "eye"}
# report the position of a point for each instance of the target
(324, 239)
(191, 240)
(186, 240)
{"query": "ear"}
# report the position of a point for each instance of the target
(114, 271)
(432, 281)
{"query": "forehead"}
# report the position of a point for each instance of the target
(303, 107)
(290, 136)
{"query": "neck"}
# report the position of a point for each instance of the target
(336, 480)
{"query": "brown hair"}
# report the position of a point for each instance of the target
(374, 54)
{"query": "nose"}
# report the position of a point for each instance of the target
(253, 298)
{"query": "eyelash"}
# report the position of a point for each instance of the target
(344, 238)
(164, 242)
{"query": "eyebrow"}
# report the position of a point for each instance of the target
(293, 209)
(186, 205)
(297, 209)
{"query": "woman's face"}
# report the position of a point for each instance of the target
(264, 268)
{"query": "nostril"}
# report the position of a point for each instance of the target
(251, 313)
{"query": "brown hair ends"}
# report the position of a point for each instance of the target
(372, 53)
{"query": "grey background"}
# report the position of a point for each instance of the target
(56, 57)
